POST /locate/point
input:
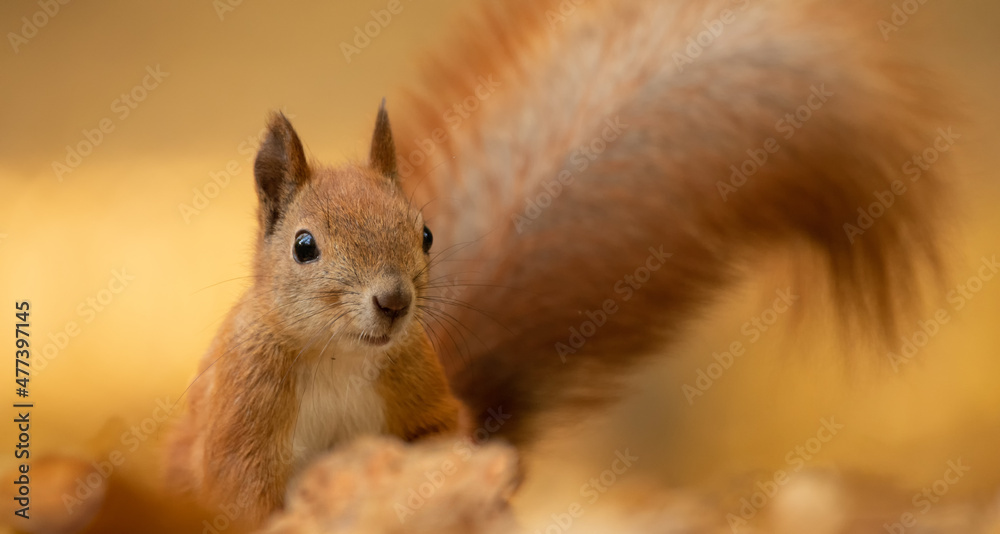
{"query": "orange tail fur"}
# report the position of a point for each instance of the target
(612, 161)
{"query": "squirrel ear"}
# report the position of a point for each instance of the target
(280, 169)
(383, 153)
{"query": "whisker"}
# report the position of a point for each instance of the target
(462, 325)
(223, 282)
(447, 332)
(465, 305)
(450, 320)
(239, 343)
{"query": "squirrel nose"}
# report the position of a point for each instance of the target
(393, 303)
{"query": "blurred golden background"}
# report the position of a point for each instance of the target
(133, 251)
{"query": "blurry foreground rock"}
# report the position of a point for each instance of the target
(381, 485)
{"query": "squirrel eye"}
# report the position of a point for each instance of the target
(428, 239)
(305, 249)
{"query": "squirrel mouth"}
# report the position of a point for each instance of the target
(376, 341)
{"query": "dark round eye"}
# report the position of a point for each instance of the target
(428, 239)
(305, 249)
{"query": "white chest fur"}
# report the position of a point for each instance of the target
(337, 401)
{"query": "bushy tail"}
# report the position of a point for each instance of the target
(593, 172)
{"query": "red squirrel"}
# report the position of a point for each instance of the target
(327, 344)
(628, 156)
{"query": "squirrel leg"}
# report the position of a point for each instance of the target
(247, 458)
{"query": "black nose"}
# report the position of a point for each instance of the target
(393, 303)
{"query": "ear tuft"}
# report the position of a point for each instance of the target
(383, 153)
(279, 171)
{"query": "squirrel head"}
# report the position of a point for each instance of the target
(342, 255)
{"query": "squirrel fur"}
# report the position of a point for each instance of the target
(635, 118)
(314, 354)
(688, 120)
